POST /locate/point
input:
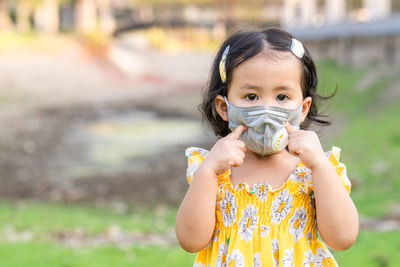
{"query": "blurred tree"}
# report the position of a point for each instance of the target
(85, 16)
(24, 12)
(107, 20)
(5, 20)
(46, 17)
(212, 2)
(94, 15)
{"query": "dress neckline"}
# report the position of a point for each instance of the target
(241, 185)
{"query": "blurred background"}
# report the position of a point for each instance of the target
(98, 101)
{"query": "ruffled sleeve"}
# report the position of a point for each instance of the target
(340, 168)
(194, 156)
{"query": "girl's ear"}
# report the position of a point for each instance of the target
(221, 107)
(306, 107)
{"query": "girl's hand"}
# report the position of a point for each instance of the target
(227, 152)
(305, 144)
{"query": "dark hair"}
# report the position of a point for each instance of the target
(243, 46)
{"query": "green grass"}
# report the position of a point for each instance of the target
(369, 138)
(372, 153)
(372, 249)
(45, 219)
(44, 254)
(370, 143)
(42, 218)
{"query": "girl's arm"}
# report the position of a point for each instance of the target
(337, 216)
(195, 220)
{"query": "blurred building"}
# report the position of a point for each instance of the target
(350, 31)
(209, 14)
(306, 13)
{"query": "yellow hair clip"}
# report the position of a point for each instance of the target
(222, 64)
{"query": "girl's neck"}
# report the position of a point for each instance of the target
(272, 169)
(269, 159)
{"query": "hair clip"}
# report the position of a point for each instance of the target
(222, 64)
(297, 48)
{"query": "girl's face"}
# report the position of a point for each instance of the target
(271, 78)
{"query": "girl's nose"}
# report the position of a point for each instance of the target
(267, 103)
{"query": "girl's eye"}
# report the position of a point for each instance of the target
(281, 97)
(252, 97)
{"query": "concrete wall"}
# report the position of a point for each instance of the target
(304, 13)
(357, 51)
(375, 40)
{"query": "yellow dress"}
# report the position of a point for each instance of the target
(260, 226)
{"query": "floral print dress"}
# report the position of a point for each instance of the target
(261, 226)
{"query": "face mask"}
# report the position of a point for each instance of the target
(266, 133)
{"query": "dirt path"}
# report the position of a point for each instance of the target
(43, 97)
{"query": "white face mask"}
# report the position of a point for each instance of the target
(266, 133)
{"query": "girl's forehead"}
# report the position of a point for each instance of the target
(270, 65)
(273, 55)
(268, 73)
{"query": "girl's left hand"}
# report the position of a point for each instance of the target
(306, 145)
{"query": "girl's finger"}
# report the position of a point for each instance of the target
(293, 152)
(241, 154)
(293, 148)
(239, 143)
(237, 156)
(238, 153)
(290, 128)
(294, 138)
(237, 161)
(237, 132)
(242, 148)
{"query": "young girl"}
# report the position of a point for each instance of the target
(251, 202)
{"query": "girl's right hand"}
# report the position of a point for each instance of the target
(226, 153)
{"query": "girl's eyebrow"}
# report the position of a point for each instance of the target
(283, 87)
(250, 86)
(257, 88)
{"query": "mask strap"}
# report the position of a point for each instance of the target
(226, 101)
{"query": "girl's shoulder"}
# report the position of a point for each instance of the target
(340, 168)
(195, 156)
(302, 175)
(196, 151)
(334, 155)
